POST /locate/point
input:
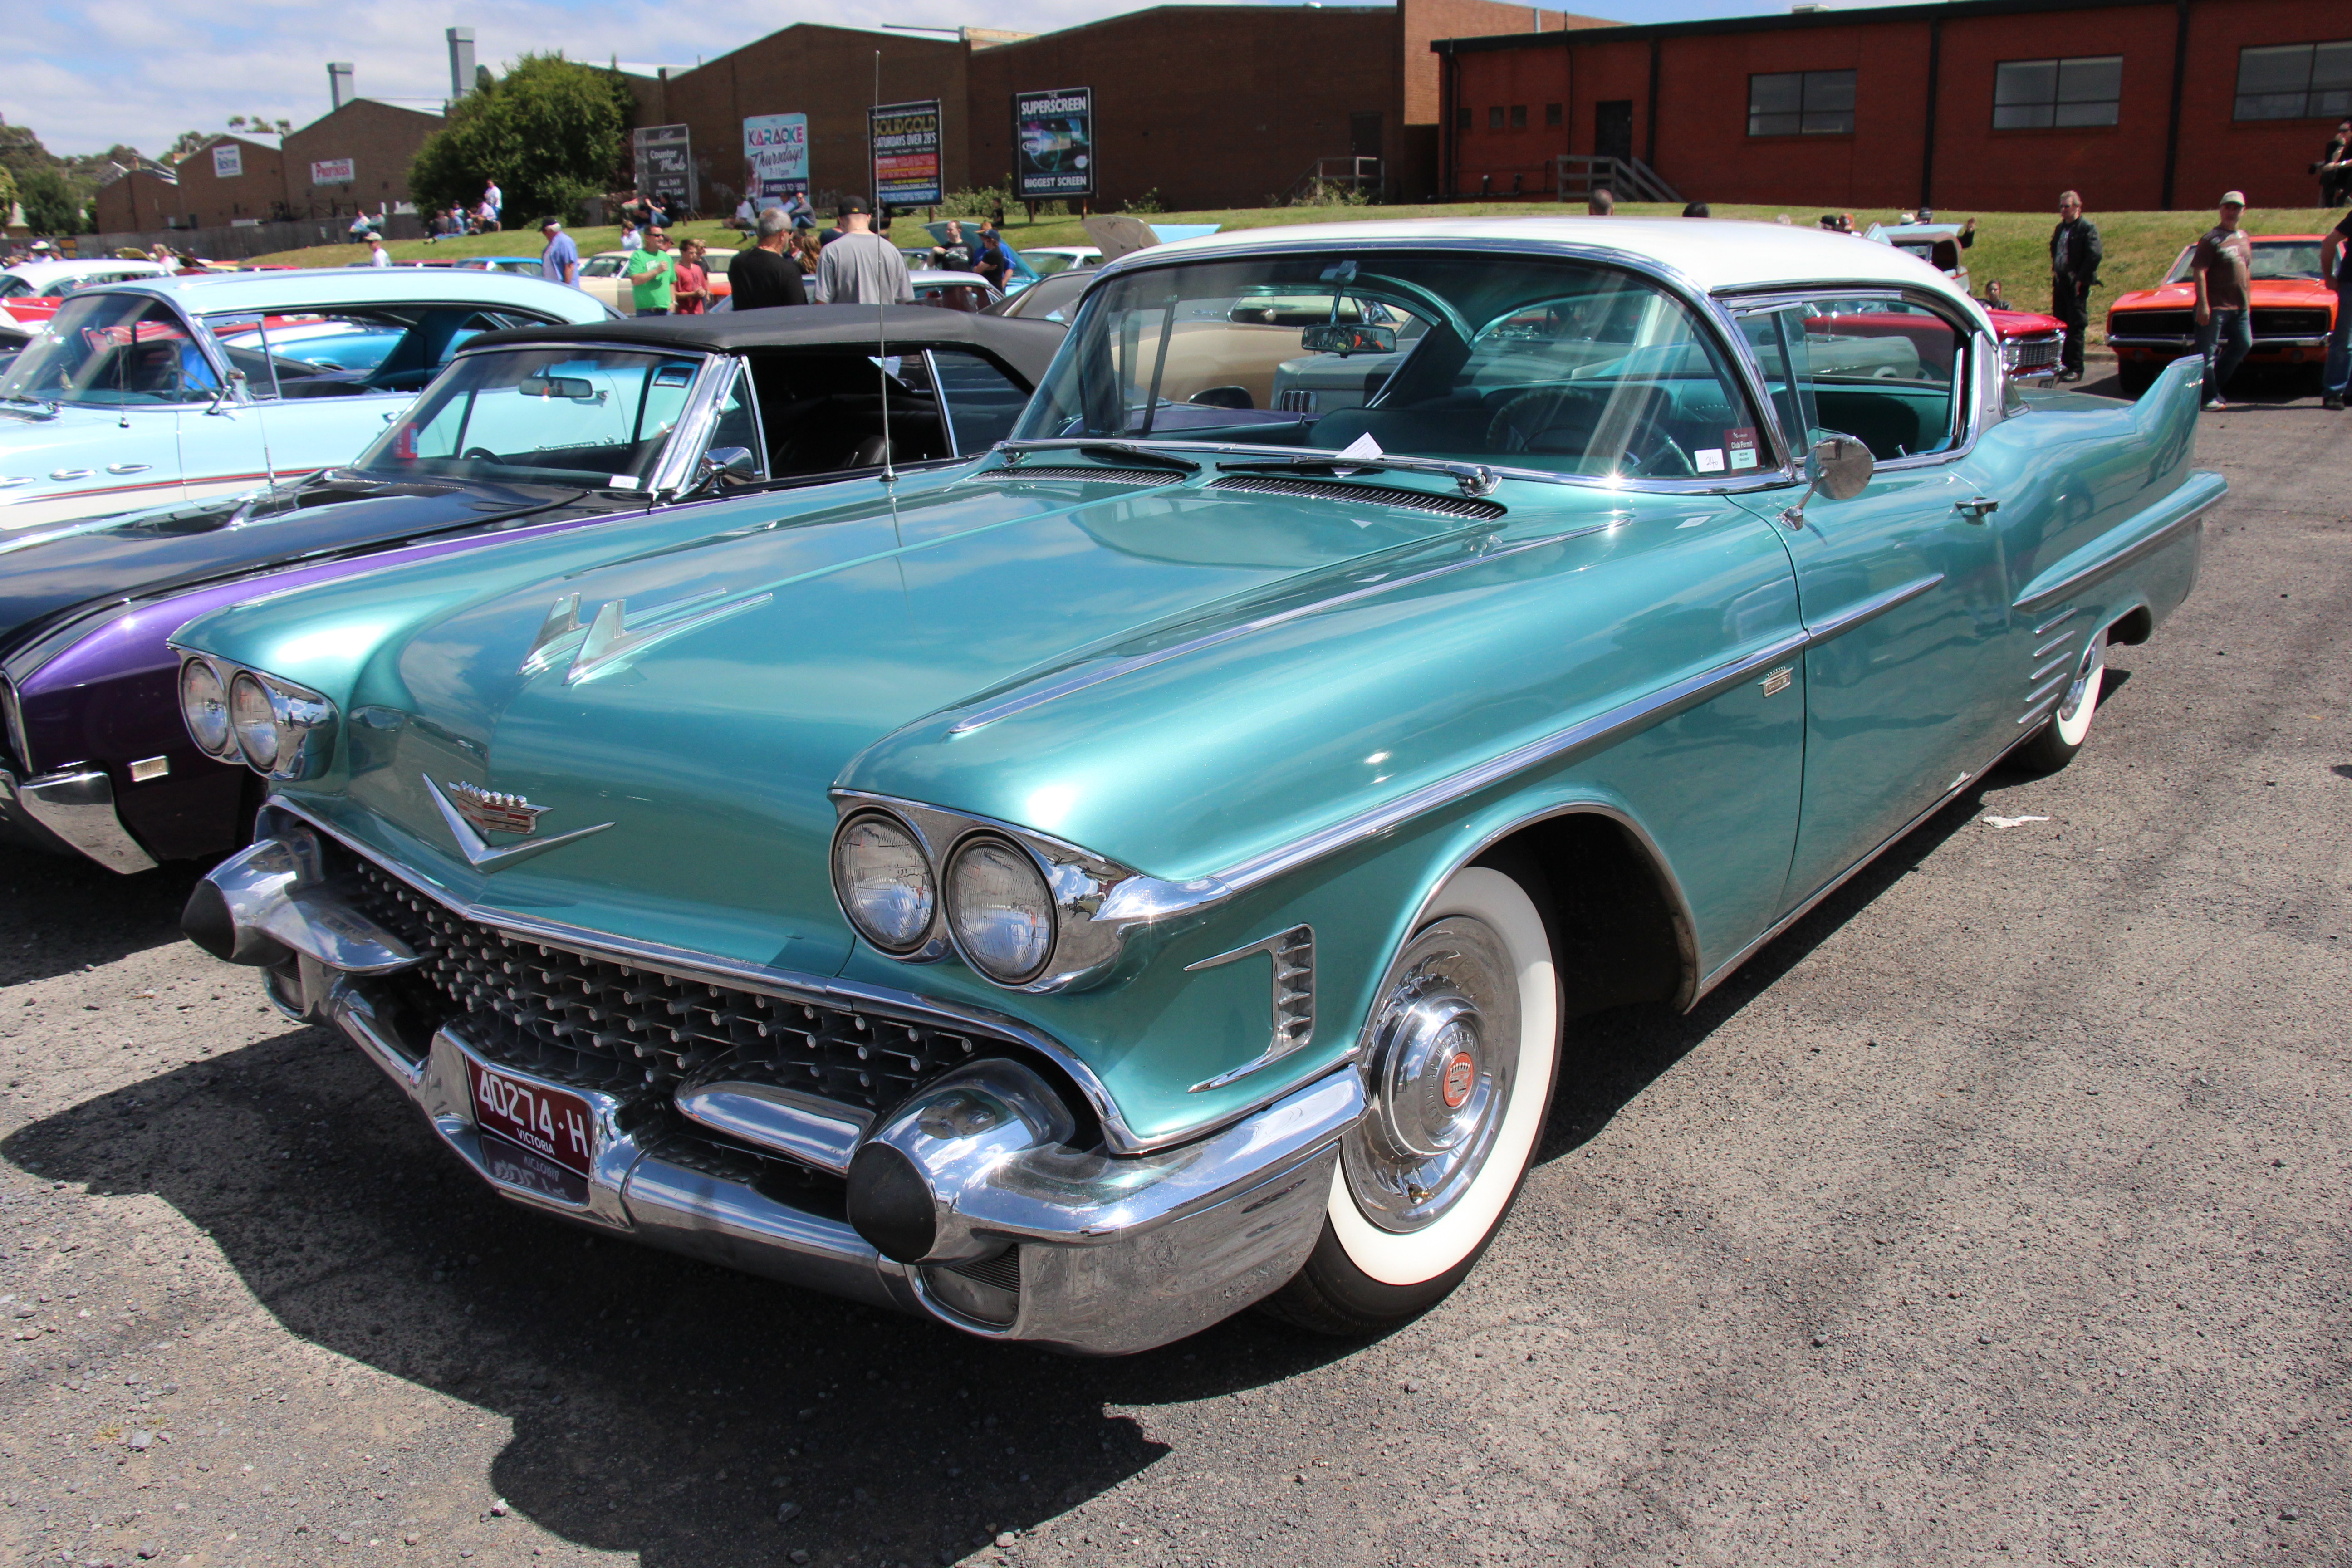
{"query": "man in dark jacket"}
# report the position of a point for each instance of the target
(761, 275)
(2074, 258)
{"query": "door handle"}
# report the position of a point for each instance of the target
(128, 468)
(1977, 508)
(69, 473)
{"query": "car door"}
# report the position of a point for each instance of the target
(1903, 586)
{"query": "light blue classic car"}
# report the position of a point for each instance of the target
(169, 389)
(1148, 869)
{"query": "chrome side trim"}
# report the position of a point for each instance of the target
(476, 849)
(1112, 670)
(2060, 620)
(77, 806)
(2061, 662)
(2034, 597)
(2033, 697)
(1292, 1005)
(1120, 1138)
(2061, 640)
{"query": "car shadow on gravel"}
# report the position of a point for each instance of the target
(655, 1401)
(60, 913)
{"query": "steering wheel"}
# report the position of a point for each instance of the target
(478, 454)
(1521, 422)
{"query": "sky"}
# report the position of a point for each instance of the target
(89, 74)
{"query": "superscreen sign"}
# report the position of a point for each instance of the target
(1054, 143)
(905, 154)
(775, 151)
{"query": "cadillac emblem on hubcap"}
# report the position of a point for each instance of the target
(1460, 1074)
(491, 812)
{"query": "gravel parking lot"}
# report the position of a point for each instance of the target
(1995, 1214)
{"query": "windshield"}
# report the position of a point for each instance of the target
(1539, 363)
(112, 350)
(558, 415)
(2272, 258)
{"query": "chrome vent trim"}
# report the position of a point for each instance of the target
(1375, 495)
(1084, 475)
(1293, 952)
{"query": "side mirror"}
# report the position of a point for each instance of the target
(1839, 467)
(231, 391)
(1348, 338)
(736, 462)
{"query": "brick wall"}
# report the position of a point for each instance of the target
(380, 139)
(206, 200)
(138, 200)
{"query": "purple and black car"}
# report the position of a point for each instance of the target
(525, 433)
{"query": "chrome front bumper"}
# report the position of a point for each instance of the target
(76, 808)
(970, 1202)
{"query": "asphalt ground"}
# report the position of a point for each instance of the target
(1995, 1214)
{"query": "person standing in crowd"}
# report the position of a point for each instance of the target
(2224, 263)
(2335, 265)
(690, 289)
(807, 249)
(494, 204)
(377, 254)
(761, 276)
(951, 254)
(559, 261)
(2335, 167)
(653, 272)
(1944, 252)
(989, 259)
(1602, 203)
(630, 237)
(2074, 258)
(860, 267)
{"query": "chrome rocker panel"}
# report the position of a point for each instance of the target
(1114, 1253)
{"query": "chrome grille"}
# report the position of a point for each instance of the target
(1295, 400)
(1091, 476)
(595, 1022)
(2033, 354)
(1376, 495)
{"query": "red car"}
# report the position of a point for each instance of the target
(2293, 311)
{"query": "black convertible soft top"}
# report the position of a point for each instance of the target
(1026, 346)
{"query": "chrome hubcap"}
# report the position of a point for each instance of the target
(1444, 1049)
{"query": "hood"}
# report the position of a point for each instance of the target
(2262, 291)
(46, 572)
(755, 662)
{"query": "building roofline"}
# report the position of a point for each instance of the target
(1936, 10)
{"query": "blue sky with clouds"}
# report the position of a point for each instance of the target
(88, 74)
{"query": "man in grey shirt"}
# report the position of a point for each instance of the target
(861, 268)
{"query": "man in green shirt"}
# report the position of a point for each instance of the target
(652, 269)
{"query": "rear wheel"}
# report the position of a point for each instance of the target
(2056, 743)
(1464, 1044)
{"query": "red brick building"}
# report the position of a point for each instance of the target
(136, 201)
(1210, 106)
(1987, 104)
(370, 141)
(228, 179)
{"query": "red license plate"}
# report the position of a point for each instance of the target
(552, 1123)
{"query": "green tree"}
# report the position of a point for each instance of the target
(551, 133)
(51, 206)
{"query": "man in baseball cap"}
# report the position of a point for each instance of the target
(2224, 263)
(860, 267)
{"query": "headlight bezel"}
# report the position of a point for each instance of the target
(1099, 906)
(305, 722)
(225, 748)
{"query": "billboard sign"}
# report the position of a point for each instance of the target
(228, 161)
(905, 154)
(665, 166)
(333, 172)
(776, 155)
(1054, 143)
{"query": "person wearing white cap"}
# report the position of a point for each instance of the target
(2224, 263)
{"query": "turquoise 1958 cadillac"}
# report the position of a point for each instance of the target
(1148, 870)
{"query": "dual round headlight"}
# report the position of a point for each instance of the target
(254, 719)
(205, 706)
(999, 911)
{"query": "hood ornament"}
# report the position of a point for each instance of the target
(476, 811)
(614, 638)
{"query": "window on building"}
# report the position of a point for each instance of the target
(2028, 94)
(1519, 117)
(2296, 81)
(1494, 117)
(1807, 103)
(1461, 117)
(1552, 113)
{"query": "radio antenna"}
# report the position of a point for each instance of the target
(882, 366)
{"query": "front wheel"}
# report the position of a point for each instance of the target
(1464, 1046)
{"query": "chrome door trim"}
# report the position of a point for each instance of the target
(940, 397)
(674, 470)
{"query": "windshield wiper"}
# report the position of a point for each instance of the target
(1475, 478)
(1093, 447)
